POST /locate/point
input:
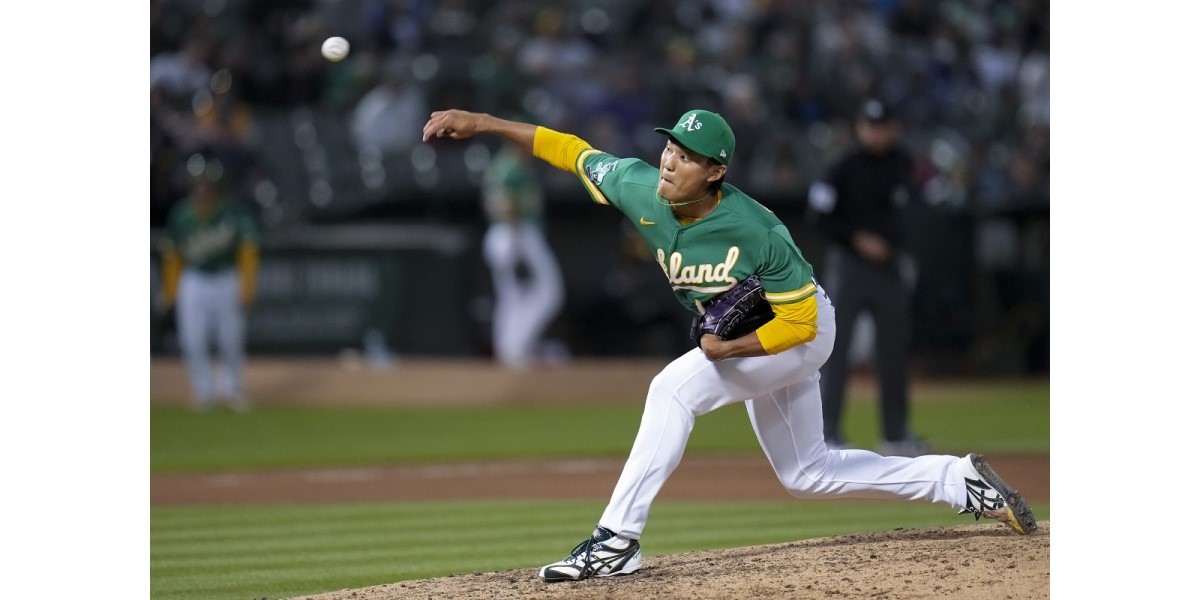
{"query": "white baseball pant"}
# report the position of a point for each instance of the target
(783, 399)
(208, 303)
(523, 309)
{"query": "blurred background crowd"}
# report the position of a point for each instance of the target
(306, 143)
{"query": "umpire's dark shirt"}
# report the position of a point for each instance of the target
(868, 191)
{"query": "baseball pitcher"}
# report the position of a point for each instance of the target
(710, 238)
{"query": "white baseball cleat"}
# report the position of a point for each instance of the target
(988, 496)
(602, 555)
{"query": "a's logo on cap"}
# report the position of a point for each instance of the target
(691, 124)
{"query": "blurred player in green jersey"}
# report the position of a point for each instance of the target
(525, 275)
(210, 267)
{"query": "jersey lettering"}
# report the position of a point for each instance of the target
(202, 244)
(737, 239)
(691, 277)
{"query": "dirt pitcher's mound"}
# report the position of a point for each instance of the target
(979, 561)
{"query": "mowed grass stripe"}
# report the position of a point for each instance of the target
(280, 583)
(1001, 417)
(354, 560)
(327, 553)
(199, 524)
(319, 436)
(461, 521)
(294, 544)
(301, 539)
(518, 535)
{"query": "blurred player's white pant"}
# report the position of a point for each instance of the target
(524, 306)
(783, 398)
(209, 304)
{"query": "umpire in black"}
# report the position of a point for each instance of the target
(857, 205)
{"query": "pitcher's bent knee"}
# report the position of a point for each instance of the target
(808, 480)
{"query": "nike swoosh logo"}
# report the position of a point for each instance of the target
(645, 222)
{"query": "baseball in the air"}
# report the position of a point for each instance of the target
(335, 48)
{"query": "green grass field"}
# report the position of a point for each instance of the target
(1005, 417)
(281, 551)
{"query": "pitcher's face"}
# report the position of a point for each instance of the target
(685, 175)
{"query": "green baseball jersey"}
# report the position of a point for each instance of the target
(705, 258)
(210, 242)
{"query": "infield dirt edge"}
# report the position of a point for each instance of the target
(977, 561)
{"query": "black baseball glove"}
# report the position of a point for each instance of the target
(735, 313)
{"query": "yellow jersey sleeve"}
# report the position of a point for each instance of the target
(794, 324)
(172, 267)
(558, 149)
(247, 261)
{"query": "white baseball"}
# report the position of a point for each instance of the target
(335, 49)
